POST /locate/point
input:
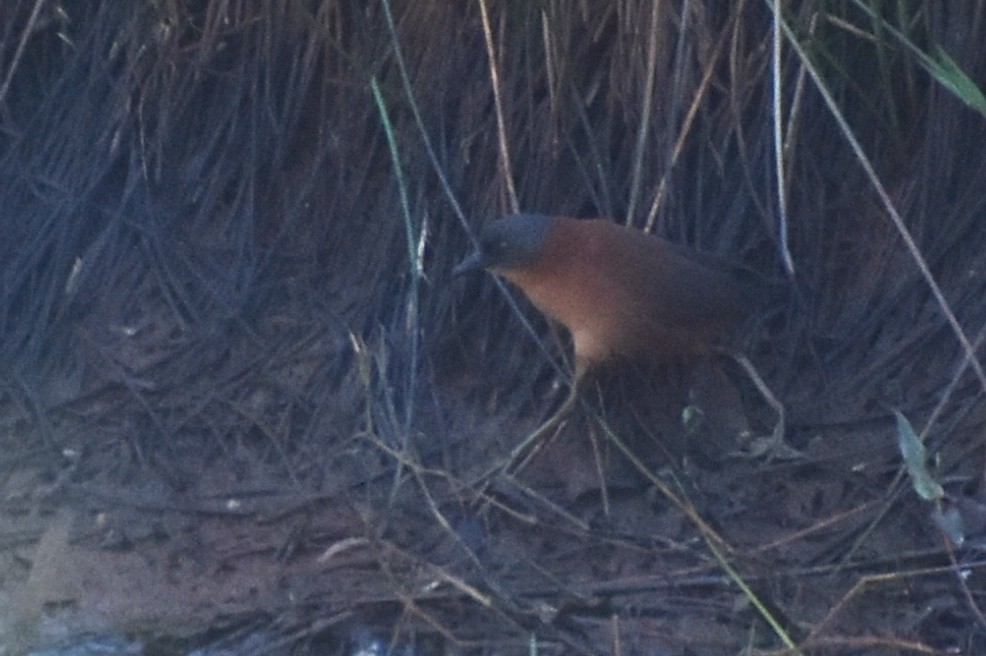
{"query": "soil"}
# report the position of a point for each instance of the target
(576, 544)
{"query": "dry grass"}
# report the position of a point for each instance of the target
(227, 232)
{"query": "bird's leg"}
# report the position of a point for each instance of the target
(773, 446)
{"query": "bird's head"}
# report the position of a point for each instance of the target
(508, 244)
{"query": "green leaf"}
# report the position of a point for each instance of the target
(915, 457)
(944, 69)
(940, 66)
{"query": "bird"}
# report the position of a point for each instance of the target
(622, 294)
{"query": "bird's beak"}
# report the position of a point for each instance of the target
(477, 260)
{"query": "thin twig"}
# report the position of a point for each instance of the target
(32, 19)
(779, 142)
(501, 126)
(888, 204)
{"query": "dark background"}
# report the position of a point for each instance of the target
(225, 272)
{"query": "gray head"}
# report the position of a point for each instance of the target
(512, 242)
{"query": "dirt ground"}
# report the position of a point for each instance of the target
(579, 547)
(245, 406)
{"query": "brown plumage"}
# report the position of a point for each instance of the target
(622, 294)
